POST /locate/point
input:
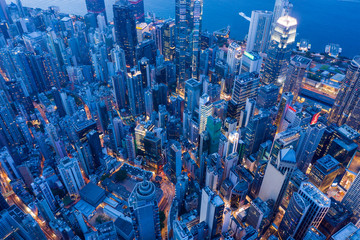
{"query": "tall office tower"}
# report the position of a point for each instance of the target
(174, 153)
(295, 74)
(130, 147)
(118, 131)
(44, 208)
(346, 108)
(259, 31)
(324, 172)
(118, 58)
(258, 216)
(4, 11)
(245, 86)
(284, 105)
(248, 112)
(211, 211)
(250, 62)
(287, 139)
(233, 57)
(119, 86)
(96, 6)
(307, 145)
(188, 21)
(277, 177)
(136, 93)
(149, 104)
(318, 203)
(192, 94)
(267, 96)
(145, 211)
(256, 132)
(282, 8)
(213, 127)
(125, 29)
(93, 138)
(41, 187)
(139, 11)
(294, 214)
(3, 203)
(206, 110)
(10, 133)
(351, 199)
(71, 175)
(165, 39)
(279, 51)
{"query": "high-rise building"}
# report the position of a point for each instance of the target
(71, 175)
(295, 74)
(205, 111)
(314, 234)
(250, 62)
(139, 11)
(213, 128)
(277, 177)
(267, 96)
(192, 94)
(281, 9)
(188, 21)
(136, 93)
(346, 108)
(307, 145)
(324, 172)
(258, 215)
(259, 31)
(318, 203)
(174, 158)
(279, 51)
(41, 187)
(297, 208)
(125, 29)
(96, 6)
(211, 211)
(245, 86)
(119, 86)
(145, 211)
(351, 199)
(284, 105)
(233, 57)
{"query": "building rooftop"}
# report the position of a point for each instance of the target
(345, 232)
(327, 163)
(92, 194)
(315, 194)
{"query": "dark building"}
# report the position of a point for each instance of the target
(139, 11)
(125, 29)
(324, 172)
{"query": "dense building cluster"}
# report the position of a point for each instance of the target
(144, 128)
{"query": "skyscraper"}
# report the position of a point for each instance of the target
(206, 110)
(96, 6)
(324, 172)
(279, 50)
(41, 187)
(139, 11)
(297, 208)
(351, 199)
(71, 175)
(211, 211)
(188, 20)
(136, 93)
(233, 57)
(318, 203)
(295, 74)
(346, 108)
(281, 8)
(125, 29)
(259, 31)
(306, 148)
(192, 94)
(145, 211)
(245, 86)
